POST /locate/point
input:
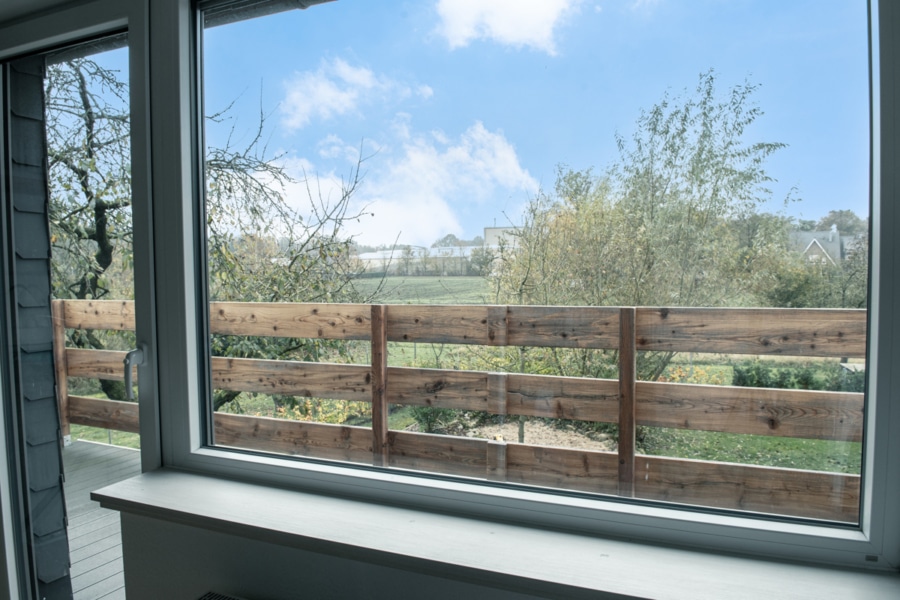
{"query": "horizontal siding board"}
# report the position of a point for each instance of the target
(26, 95)
(33, 283)
(756, 411)
(36, 329)
(295, 438)
(106, 414)
(792, 492)
(44, 466)
(27, 141)
(291, 320)
(440, 324)
(438, 453)
(37, 414)
(575, 398)
(30, 189)
(758, 331)
(582, 470)
(116, 315)
(37, 375)
(47, 514)
(54, 552)
(32, 236)
(313, 380)
(97, 364)
(440, 388)
(563, 326)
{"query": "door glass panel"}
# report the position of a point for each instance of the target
(89, 154)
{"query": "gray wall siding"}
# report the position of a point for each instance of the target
(33, 330)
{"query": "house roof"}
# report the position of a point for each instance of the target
(829, 242)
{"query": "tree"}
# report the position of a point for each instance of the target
(845, 221)
(481, 261)
(260, 246)
(448, 241)
(800, 283)
(656, 228)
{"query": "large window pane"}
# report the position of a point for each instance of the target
(440, 240)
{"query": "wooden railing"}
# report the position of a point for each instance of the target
(628, 402)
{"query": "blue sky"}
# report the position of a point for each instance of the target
(465, 108)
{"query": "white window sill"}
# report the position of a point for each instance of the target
(517, 558)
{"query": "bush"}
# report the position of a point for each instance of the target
(825, 376)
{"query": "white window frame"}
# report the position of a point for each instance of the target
(165, 170)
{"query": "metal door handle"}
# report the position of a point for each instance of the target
(134, 357)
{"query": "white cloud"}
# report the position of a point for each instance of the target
(421, 193)
(332, 146)
(509, 22)
(338, 88)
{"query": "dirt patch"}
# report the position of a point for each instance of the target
(541, 434)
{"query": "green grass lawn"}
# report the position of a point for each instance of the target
(105, 436)
(792, 453)
(428, 290)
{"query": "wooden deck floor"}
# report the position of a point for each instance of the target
(95, 542)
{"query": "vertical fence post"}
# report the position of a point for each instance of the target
(496, 460)
(379, 386)
(58, 310)
(627, 368)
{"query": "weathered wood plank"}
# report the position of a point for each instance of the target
(439, 453)
(760, 331)
(465, 390)
(313, 380)
(297, 320)
(583, 470)
(97, 364)
(757, 411)
(107, 414)
(58, 308)
(445, 324)
(563, 326)
(496, 460)
(576, 398)
(627, 374)
(296, 438)
(379, 385)
(116, 315)
(790, 492)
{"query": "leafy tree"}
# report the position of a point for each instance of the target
(260, 246)
(800, 283)
(481, 261)
(656, 228)
(845, 221)
(447, 241)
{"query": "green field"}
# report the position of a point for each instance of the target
(427, 290)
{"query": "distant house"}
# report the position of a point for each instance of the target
(826, 247)
(494, 236)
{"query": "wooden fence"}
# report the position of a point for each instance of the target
(626, 401)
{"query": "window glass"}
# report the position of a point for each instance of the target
(611, 248)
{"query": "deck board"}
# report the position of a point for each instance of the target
(95, 539)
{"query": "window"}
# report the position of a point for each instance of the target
(172, 312)
(695, 214)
